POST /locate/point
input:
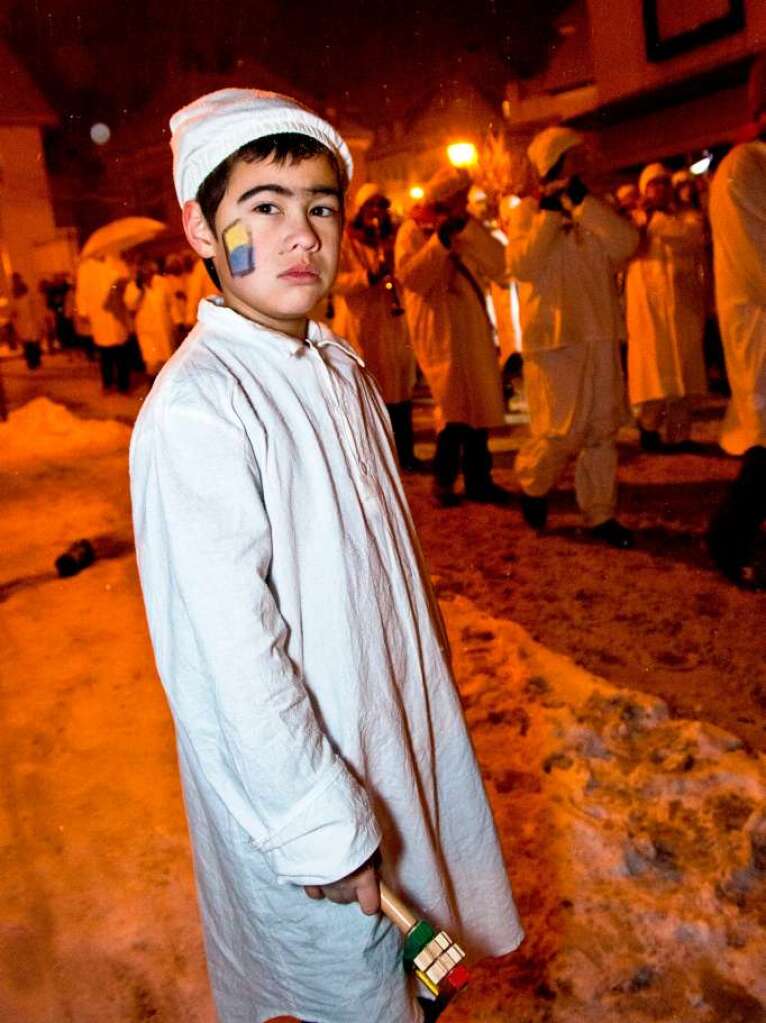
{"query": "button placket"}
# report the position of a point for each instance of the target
(341, 415)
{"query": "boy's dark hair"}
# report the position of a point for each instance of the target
(281, 148)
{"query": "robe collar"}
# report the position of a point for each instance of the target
(223, 320)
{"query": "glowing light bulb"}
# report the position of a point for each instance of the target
(462, 154)
(701, 165)
(416, 192)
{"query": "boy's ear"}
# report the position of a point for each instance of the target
(197, 230)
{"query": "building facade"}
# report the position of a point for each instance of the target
(30, 242)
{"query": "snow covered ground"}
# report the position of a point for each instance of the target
(636, 840)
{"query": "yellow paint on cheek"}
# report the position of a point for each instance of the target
(239, 249)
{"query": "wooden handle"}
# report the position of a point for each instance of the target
(395, 910)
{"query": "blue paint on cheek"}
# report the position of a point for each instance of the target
(240, 254)
(242, 260)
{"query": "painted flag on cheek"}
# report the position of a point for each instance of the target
(239, 249)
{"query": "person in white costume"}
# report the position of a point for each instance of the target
(101, 287)
(564, 249)
(198, 285)
(148, 296)
(443, 255)
(296, 633)
(175, 280)
(738, 221)
(665, 315)
(369, 313)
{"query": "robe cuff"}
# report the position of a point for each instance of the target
(329, 835)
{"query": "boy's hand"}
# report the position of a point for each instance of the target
(362, 886)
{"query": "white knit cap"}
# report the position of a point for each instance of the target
(368, 191)
(213, 127)
(547, 148)
(652, 172)
(447, 182)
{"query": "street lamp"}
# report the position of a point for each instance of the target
(462, 154)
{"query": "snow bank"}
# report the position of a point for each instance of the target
(43, 430)
(636, 842)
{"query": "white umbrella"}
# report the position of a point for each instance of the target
(120, 235)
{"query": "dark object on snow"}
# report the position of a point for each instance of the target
(75, 558)
(32, 354)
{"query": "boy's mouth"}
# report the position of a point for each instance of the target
(301, 274)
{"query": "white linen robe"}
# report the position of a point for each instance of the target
(738, 220)
(363, 317)
(306, 666)
(666, 311)
(449, 325)
(99, 302)
(570, 325)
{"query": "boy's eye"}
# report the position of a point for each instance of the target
(324, 211)
(266, 207)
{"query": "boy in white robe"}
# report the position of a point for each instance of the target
(319, 732)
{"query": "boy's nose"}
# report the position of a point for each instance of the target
(301, 234)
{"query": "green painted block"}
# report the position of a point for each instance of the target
(417, 940)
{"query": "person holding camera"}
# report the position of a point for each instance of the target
(370, 315)
(565, 247)
(443, 256)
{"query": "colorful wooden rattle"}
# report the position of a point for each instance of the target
(434, 958)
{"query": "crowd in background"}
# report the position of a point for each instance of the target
(128, 313)
(605, 305)
(610, 303)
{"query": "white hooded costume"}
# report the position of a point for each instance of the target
(447, 314)
(303, 654)
(570, 326)
(365, 314)
(100, 302)
(665, 298)
(738, 221)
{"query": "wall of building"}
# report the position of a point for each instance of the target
(26, 215)
(621, 66)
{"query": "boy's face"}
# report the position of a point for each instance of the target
(276, 242)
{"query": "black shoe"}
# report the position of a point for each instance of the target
(729, 553)
(488, 493)
(650, 440)
(445, 497)
(613, 533)
(535, 511)
(416, 466)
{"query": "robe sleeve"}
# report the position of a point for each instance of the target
(203, 540)
(352, 276)
(745, 212)
(484, 252)
(618, 237)
(531, 235)
(420, 263)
